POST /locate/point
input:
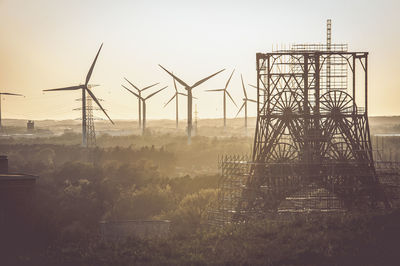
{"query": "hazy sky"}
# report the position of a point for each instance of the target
(50, 43)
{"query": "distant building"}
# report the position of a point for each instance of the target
(30, 126)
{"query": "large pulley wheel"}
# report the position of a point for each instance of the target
(340, 152)
(283, 153)
(336, 104)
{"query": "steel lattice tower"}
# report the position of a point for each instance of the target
(312, 148)
(310, 136)
(90, 130)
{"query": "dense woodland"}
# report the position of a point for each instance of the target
(161, 177)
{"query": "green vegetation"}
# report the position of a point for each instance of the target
(160, 177)
(358, 239)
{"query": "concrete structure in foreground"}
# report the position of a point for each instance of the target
(16, 192)
(16, 207)
(121, 230)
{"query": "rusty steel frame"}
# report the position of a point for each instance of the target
(312, 148)
(310, 137)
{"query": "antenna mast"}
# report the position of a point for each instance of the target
(328, 48)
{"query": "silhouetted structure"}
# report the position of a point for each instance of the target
(30, 125)
(90, 131)
(225, 90)
(144, 105)
(176, 96)
(16, 209)
(195, 120)
(312, 148)
(245, 100)
(85, 88)
(139, 91)
(90, 128)
(190, 97)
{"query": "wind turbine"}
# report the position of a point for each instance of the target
(176, 102)
(144, 105)
(140, 95)
(245, 100)
(226, 93)
(85, 88)
(190, 97)
(9, 94)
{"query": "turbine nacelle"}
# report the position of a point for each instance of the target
(245, 99)
(185, 85)
(225, 89)
(190, 97)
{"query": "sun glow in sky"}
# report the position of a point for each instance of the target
(47, 44)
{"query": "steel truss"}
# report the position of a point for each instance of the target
(312, 147)
(90, 130)
(310, 135)
(235, 173)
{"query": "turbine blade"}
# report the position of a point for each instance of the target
(170, 100)
(240, 109)
(72, 88)
(175, 77)
(154, 93)
(11, 94)
(253, 86)
(216, 90)
(256, 87)
(148, 87)
(132, 84)
(183, 94)
(176, 89)
(231, 98)
(251, 100)
(205, 79)
(227, 83)
(92, 85)
(98, 104)
(137, 95)
(89, 74)
(244, 89)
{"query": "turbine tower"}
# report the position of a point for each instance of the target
(9, 94)
(224, 99)
(140, 95)
(195, 119)
(245, 100)
(85, 88)
(144, 105)
(190, 97)
(176, 102)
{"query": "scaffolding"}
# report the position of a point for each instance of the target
(312, 148)
(388, 171)
(234, 175)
